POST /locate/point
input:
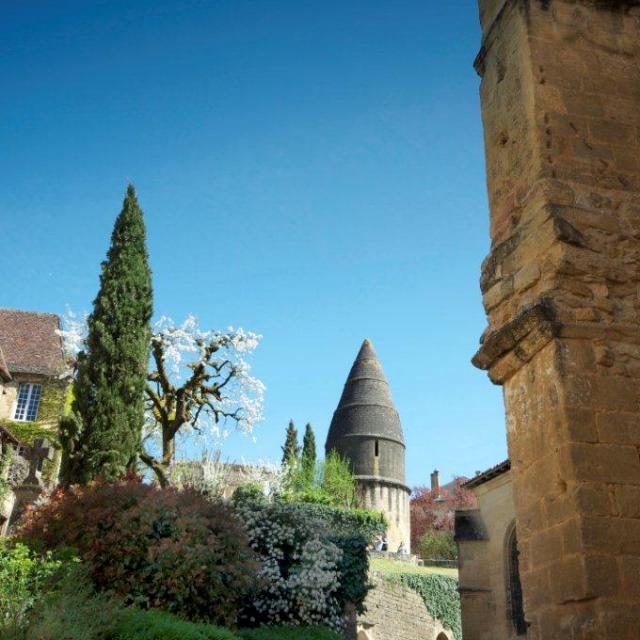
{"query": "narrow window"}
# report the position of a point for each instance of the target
(28, 402)
(377, 449)
(516, 610)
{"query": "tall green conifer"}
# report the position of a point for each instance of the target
(291, 449)
(309, 452)
(109, 387)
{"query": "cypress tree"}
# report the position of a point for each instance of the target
(109, 386)
(291, 450)
(309, 452)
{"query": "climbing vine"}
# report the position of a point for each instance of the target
(439, 594)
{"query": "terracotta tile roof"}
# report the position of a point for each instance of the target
(29, 342)
(485, 476)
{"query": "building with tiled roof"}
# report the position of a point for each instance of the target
(33, 386)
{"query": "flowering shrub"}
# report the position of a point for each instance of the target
(309, 571)
(299, 573)
(157, 547)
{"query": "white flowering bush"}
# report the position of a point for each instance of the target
(299, 575)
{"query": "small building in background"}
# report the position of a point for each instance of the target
(34, 377)
(489, 577)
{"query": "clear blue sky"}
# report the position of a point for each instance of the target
(310, 170)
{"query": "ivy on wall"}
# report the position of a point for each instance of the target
(439, 594)
(53, 404)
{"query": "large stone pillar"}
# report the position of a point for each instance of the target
(560, 98)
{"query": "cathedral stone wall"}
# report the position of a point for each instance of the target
(395, 612)
(560, 97)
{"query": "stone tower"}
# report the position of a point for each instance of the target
(560, 97)
(366, 430)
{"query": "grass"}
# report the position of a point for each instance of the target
(395, 567)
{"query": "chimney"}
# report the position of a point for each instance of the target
(435, 482)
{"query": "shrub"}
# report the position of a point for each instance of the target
(135, 624)
(289, 633)
(23, 577)
(73, 611)
(300, 575)
(438, 545)
(156, 547)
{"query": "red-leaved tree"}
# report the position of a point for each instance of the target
(434, 510)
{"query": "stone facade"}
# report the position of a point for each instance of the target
(485, 563)
(366, 430)
(560, 97)
(395, 612)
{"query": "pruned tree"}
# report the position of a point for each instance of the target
(291, 448)
(102, 437)
(199, 384)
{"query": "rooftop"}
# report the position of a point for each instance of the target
(29, 343)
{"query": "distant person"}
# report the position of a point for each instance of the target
(385, 545)
(402, 550)
(379, 543)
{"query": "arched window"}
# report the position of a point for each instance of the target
(442, 636)
(377, 449)
(515, 609)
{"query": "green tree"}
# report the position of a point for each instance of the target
(291, 449)
(103, 438)
(437, 545)
(338, 481)
(309, 452)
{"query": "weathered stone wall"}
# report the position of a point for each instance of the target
(395, 612)
(560, 96)
(482, 565)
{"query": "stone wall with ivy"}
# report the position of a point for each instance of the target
(411, 610)
(53, 404)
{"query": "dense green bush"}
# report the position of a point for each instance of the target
(135, 624)
(440, 596)
(161, 548)
(289, 633)
(23, 577)
(437, 545)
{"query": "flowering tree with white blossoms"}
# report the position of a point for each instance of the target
(199, 384)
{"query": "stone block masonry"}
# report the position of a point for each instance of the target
(395, 612)
(560, 97)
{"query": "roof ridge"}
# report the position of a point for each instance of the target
(32, 313)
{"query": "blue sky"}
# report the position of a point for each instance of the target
(310, 170)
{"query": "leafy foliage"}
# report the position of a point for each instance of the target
(156, 547)
(289, 633)
(135, 624)
(440, 596)
(291, 448)
(438, 545)
(73, 611)
(353, 568)
(434, 510)
(110, 381)
(23, 576)
(338, 481)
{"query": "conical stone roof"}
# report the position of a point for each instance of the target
(365, 407)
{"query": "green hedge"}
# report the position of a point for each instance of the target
(289, 633)
(135, 624)
(440, 596)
